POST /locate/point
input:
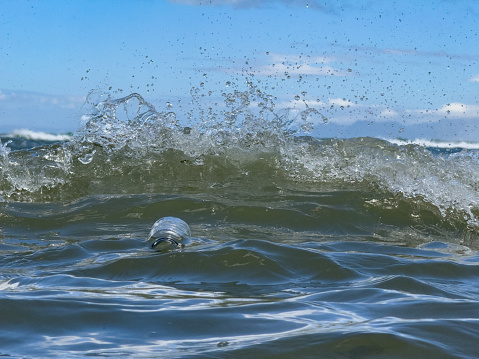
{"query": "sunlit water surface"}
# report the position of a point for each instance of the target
(301, 247)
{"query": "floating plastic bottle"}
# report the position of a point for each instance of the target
(169, 229)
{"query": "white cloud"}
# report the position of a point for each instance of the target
(292, 59)
(389, 113)
(301, 104)
(474, 78)
(285, 65)
(333, 110)
(341, 102)
(344, 111)
(415, 52)
(400, 51)
(454, 110)
(461, 110)
(300, 70)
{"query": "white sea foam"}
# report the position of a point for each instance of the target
(435, 144)
(42, 136)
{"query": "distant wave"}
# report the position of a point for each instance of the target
(435, 144)
(42, 136)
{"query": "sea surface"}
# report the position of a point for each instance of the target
(301, 247)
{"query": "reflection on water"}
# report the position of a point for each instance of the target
(80, 278)
(299, 247)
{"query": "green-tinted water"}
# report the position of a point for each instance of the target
(300, 248)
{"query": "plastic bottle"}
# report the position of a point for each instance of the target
(170, 229)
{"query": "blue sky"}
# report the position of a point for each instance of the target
(379, 68)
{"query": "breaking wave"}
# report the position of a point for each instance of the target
(126, 146)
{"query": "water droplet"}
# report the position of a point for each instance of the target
(297, 97)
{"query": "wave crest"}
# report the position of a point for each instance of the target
(126, 146)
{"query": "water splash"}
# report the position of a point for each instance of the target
(23, 174)
(126, 146)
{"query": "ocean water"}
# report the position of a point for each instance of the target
(301, 246)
